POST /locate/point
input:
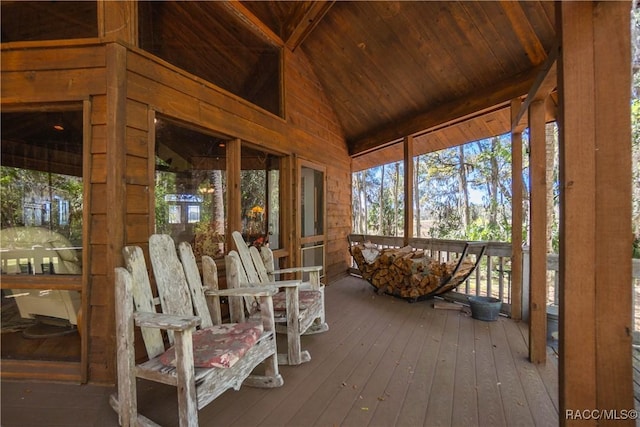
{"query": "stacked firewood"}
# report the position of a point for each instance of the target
(408, 272)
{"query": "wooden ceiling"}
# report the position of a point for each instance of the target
(421, 68)
(439, 71)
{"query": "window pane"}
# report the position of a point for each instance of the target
(312, 183)
(41, 193)
(48, 20)
(41, 203)
(190, 187)
(204, 38)
(260, 189)
(40, 324)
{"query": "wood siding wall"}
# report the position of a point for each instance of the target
(125, 86)
(314, 134)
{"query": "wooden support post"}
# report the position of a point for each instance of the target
(408, 189)
(595, 366)
(234, 202)
(118, 21)
(116, 159)
(516, 219)
(538, 240)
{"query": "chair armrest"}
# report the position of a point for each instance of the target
(285, 283)
(166, 321)
(313, 269)
(259, 291)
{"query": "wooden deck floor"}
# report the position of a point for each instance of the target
(384, 362)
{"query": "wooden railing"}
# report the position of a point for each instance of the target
(553, 289)
(493, 276)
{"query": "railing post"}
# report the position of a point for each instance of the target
(525, 283)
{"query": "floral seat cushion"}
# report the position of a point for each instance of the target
(305, 299)
(219, 346)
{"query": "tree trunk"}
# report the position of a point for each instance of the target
(218, 201)
(396, 191)
(416, 198)
(551, 167)
(381, 212)
(493, 191)
(464, 190)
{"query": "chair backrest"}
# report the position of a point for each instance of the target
(266, 254)
(210, 282)
(245, 257)
(192, 274)
(258, 263)
(144, 301)
(173, 289)
(237, 277)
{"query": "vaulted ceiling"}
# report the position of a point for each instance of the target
(443, 72)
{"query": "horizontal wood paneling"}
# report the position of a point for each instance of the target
(58, 58)
(445, 136)
(136, 171)
(138, 199)
(137, 144)
(175, 94)
(137, 228)
(48, 86)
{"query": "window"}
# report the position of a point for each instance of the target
(41, 192)
(41, 205)
(48, 20)
(260, 188)
(206, 39)
(190, 186)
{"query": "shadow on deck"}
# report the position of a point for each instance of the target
(384, 362)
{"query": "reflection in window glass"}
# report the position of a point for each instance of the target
(48, 20)
(174, 214)
(260, 191)
(312, 212)
(190, 187)
(205, 39)
(41, 205)
(193, 214)
(41, 193)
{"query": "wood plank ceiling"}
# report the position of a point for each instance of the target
(441, 71)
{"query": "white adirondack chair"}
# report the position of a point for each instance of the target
(299, 309)
(199, 373)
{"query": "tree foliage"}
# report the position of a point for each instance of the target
(462, 193)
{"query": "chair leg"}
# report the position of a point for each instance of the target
(186, 387)
(293, 341)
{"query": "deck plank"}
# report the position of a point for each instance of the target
(490, 405)
(374, 390)
(342, 392)
(413, 409)
(441, 395)
(514, 400)
(465, 406)
(412, 364)
(536, 394)
(397, 389)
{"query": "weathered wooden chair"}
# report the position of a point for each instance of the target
(299, 309)
(201, 363)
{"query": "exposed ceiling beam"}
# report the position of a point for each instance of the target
(524, 32)
(301, 27)
(251, 22)
(544, 84)
(467, 106)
